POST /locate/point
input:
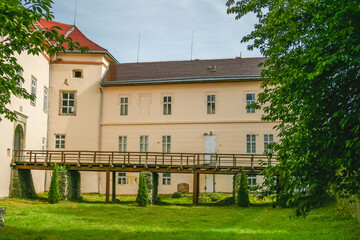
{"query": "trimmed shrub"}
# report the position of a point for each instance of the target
(142, 195)
(243, 196)
(204, 198)
(177, 195)
(54, 193)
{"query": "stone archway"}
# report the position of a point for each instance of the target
(19, 140)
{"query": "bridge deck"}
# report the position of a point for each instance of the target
(194, 163)
(138, 161)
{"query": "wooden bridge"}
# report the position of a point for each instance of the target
(107, 161)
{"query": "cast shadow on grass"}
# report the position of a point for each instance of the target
(138, 232)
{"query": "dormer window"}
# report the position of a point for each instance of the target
(78, 73)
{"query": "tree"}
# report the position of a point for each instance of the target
(243, 195)
(311, 86)
(142, 195)
(18, 34)
(54, 193)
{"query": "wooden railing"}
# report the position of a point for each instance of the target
(151, 159)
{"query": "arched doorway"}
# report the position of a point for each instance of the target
(19, 140)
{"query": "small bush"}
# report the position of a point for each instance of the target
(243, 196)
(177, 195)
(204, 198)
(215, 197)
(54, 193)
(142, 196)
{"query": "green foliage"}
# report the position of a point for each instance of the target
(243, 195)
(17, 35)
(142, 195)
(177, 195)
(210, 197)
(311, 87)
(54, 194)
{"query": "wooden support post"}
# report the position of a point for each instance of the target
(113, 185)
(196, 188)
(107, 185)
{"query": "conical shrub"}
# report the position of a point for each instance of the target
(243, 196)
(54, 193)
(142, 196)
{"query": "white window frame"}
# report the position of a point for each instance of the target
(144, 143)
(122, 143)
(124, 106)
(166, 179)
(268, 139)
(69, 100)
(20, 73)
(60, 141)
(122, 178)
(249, 101)
(43, 144)
(33, 89)
(167, 105)
(252, 180)
(211, 104)
(251, 143)
(45, 102)
(166, 144)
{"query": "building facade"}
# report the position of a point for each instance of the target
(91, 102)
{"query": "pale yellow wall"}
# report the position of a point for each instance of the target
(81, 130)
(187, 124)
(36, 121)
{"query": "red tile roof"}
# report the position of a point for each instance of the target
(76, 34)
(183, 71)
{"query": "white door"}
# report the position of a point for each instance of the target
(210, 147)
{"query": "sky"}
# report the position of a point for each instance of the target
(165, 28)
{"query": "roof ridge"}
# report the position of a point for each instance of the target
(76, 28)
(58, 22)
(194, 60)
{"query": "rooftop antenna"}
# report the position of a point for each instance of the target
(75, 12)
(137, 60)
(192, 44)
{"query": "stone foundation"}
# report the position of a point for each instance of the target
(21, 184)
(69, 185)
(236, 185)
(152, 181)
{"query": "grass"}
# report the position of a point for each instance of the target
(172, 219)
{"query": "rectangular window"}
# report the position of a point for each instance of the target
(166, 144)
(167, 105)
(20, 73)
(59, 141)
(122, 143)
(68, 103)
(124, 101)
(251, 180)
(121, 178)
(210, 101)
(33, 89)
(250, 99)
(166, 179)
(251, 143)
(45, 107)
(268, 139)
(144, 143)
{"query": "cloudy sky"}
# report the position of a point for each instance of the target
(165, 27)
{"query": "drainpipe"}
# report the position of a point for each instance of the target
(48, 116)
(100, 120)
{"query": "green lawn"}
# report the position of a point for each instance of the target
(173, 219)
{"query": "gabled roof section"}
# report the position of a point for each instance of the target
(73, 32)
(215, 70)
(76, 35)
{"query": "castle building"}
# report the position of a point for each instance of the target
(89, 101)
